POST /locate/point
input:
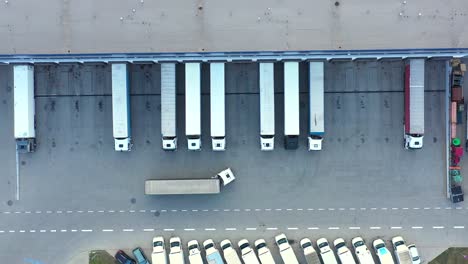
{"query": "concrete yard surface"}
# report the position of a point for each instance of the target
(124, 26)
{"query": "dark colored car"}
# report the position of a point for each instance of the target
(140, 256)
(123, 258)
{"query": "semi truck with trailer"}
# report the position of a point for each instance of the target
(168, 106)
(24, 108)
(193, 105)
(121, 107)
(217, 106)
(267, 106)
(189, 186)
(316, 105)
(291, 104)
(414, 104)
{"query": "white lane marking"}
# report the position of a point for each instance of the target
(405, 208)
(215, 210)
(271, 228)
(321, 209)
(288, 209)
(331, 209)
(236, 210)
(354, 227)
(210, 229)
(132, 211)
(293, 228)
(384, 208)
(394, 208)
(313, 228)
(27, 212)
(53, 231)
(205, 210)
(111, 211)
(341, 209)
(333, 228)
(69, 212)
(459, 208)
(142, 211)
(194, 210)
(257, 210)
(101, 211)
(1, 231)
(11, 231)
(427, 208)
(86, 230)
(375, 227)
(416, 208)
(38, 212)
(247, 210)
(459, 227)
(448, 208)
(49, 212)
(189, 229)
(148, 230)
(168, 229)
(363, 209)
(230, 229)
(396, 227)
(278, 209)
(299, 209)
(184, 210)
(63, 230)
(174, 210)
(74, 230)
(153, 211)
(437, 208)
(417, 227)
(80, 211)
(90, 211)
(22, 231)
(251, 228)
(438, 227)
(373, 208)
(32, 231)
(6, 212)
(108, 230)
(121, 211)
(127, 230)
(163, 211)
(310, 209)
(17, 212)
(42, 231)
(226, 210)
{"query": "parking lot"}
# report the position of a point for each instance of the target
(363, 182)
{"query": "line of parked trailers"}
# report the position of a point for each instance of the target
(403, 254)
(24, 108)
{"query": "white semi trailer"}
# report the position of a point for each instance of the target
(267, 106)
(414, 104)
(217, 106)
(24, 108)
(193, 105)
(291, 105)
(168, 106)
(121, 107)
(316, 105)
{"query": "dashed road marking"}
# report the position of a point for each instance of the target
(354, 227)
(168, 229)
(375, 227)
(127, 230)
(108, 230)
(313, 228)
(395, 227)
(86, 230)
(459, 227)
(438, 227)
(189, 229)
(230, 229)
(417, 227)
(63, 230)
(293, 228)
(251, 228)
(271, 228)
(210, 229)
(333, 228)
(148, 230)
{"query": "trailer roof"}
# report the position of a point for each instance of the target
(24, 104)
(168, 99)
(267, 98)
(192, 99)
(217, 100)
(120, 101)
(291, 98)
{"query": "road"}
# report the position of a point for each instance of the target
(122, 26)
(78, 194)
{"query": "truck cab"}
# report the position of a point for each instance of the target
(328, 257)
(315, 143)
(413, 141)
(194, 142)
(169, 143)
(218, 143)
(310, 254)
(194, 252)
(401, 251)
(26, 145)
(176, 254)
(286, 251)
(230, 254)
(344, 254)
(363, 254)
(123, 144)
(212, 254)
(264, 253)
(248, 254)
(159, 251)
(267, 142)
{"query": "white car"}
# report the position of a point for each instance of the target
(286, 251)
(325, 251)
(414, 254)
(194, 252)
(230, 254)
(344, 254)
(248, 255)
(382, 252)
(176, 254)
(363, 254)
(264, 253)
(159, 251)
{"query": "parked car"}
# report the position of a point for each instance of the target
(123, 258)
(264, 253)
(344, 254)
(414, 254)
(176, 255)
(382, 252)
(194, 252)
(248, 255)
(159, 251)
(363, 254)
(140, 256)
(328, 257)
(230, 254)
(286, 251)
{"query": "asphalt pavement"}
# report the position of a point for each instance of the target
(77, 193)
